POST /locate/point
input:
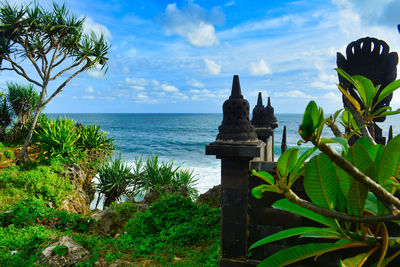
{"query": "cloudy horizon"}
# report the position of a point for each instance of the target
(180, 56)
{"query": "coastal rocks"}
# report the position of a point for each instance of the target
(83, 188)
(106, 221)
(64, 252)
(211, 197)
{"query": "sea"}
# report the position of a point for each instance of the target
(182, 138)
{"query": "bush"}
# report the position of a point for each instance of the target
(94, 140)
(21, 246)
(57, 140)
(114, 178)
(174, 221)
(43, 182)
(151, 174)
(34, 211)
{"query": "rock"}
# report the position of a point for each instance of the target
(83, 189)
(106, 220)
(74, 253)
(211, 197)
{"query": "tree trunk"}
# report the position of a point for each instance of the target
(23, 156)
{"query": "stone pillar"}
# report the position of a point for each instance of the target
(236, 145)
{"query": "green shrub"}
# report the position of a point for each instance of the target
(114, 178)
(174, 221)
(151, 174)
(57, 140)
(34, 211)
(8, 154)
(92, 139)
(44, 182)
(21, 246)
(60, 250)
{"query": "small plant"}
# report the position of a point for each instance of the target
(60, 250)
(114, 178)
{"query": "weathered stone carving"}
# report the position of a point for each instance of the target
(371, 58)
(259, 114)
(272, 122)
(236, 124)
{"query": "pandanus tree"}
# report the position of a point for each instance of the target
(23, 99)
(53, 43)
(5, 116)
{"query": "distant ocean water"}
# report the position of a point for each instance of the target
(183, 137)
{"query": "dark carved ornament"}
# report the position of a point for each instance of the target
(236, 124)
(271, 119)
(259, 119)
(371, 58)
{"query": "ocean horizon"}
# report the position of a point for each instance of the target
(182, 137)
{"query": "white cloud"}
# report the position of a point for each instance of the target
(212, 67)
(169, 88)
(293, 94)
(126, 70)
(98, 29)
(89, 90)
(136, 83)
(155, 82)
(259, 68)
(90, 97)
(195, 83)
(230, 3)
(192, 22)
(332, 97)
(96, 74)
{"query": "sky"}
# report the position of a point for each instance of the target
(180, 56)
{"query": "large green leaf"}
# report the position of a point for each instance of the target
(353, 261)
(266, 176)
(320, 181)
(259, 190)
(389, 163)
(338, 140)
(390, 88)
(367, 89)
(284, 234)
(296, 253)
(310, 119)
(285, 204)
(287, 161)
(354, 191)
(297, 169)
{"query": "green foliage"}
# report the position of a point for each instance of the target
(42, 182)
(5, 116)
(23, 99)
(174, 221)
(61, 250)
(151, 174)
(114, 178)
(348, 191)
(34, 211)
(94, 140)
(22, 246)
(56, 139)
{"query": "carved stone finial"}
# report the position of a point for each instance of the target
(236, 124)
(259, 114)
(271, 119)
(236, 91)
(390, 137)
(284, 145)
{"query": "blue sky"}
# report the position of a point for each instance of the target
(180, 56)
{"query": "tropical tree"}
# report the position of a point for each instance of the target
(53, 43)
(351, 193)
(5, 116)
(23, 100)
